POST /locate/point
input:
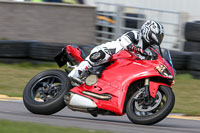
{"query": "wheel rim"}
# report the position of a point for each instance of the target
(46, 88)
(141, 108)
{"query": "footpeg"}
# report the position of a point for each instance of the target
(77, 80)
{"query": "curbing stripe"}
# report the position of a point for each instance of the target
(184, 117)
(7, 98)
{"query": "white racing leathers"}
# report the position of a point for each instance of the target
(102, 53)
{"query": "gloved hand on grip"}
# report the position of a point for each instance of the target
(137, 50)
(142, 52)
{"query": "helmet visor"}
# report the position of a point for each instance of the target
(157, 38)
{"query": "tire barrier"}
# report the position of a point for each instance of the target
(191, 46)
(192, 31)
(14, 49)
(13, 60)
(194, 64)
(192, 35)
(20, 51)
(195, 74)
(180, 59)
(195, 61)
(45, 51)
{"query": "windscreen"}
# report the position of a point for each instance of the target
(167, 57)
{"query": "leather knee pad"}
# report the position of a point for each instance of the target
(97, 56)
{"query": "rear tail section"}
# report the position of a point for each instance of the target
(72, 54)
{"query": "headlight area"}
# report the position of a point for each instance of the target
(91, 79)
(162, 69)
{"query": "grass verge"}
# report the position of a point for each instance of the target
(13, 79)
(22, 127)
(187, 92)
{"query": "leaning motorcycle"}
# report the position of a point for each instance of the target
(140, 88)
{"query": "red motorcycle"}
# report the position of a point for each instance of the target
(125, 85)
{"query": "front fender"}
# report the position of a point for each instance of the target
(153, 87)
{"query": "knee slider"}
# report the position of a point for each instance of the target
(97, 56)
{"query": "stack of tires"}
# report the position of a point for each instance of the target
(14, 51)
(192, 44)
(180, 60)
(195, 64)
(37, 52)
(41, 51)
(45, 51)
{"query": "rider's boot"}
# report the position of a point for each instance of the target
(75, 74)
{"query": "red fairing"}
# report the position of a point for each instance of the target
(116, 79)
(162, 60)
(153, 88)
(169, 67)
(124, 55)
(75, 52)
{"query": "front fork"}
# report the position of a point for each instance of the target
(146, 84)
(148, 95)
(151, 88)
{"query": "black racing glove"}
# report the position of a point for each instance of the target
(137, 50)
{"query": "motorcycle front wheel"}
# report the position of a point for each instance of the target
(147, 112)
(44, 93)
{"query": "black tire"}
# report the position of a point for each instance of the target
(45, 51)
(194, 63)
(16, 49)
(179, 59)
(56, 101)
(191, 46)
(195, 74)
(156, 116)
(192, 31)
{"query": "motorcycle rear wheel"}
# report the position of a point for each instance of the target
(44, 93)
(157, 111)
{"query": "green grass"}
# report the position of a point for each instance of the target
(21, 127)
(187, 93)
(13, 79)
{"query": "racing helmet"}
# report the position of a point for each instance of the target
(152, 32)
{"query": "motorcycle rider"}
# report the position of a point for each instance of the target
(150, 33)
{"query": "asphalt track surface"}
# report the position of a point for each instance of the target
(15, 110)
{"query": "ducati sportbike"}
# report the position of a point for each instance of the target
(140, 88)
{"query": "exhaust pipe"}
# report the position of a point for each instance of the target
(98, 96)
(78, 102)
